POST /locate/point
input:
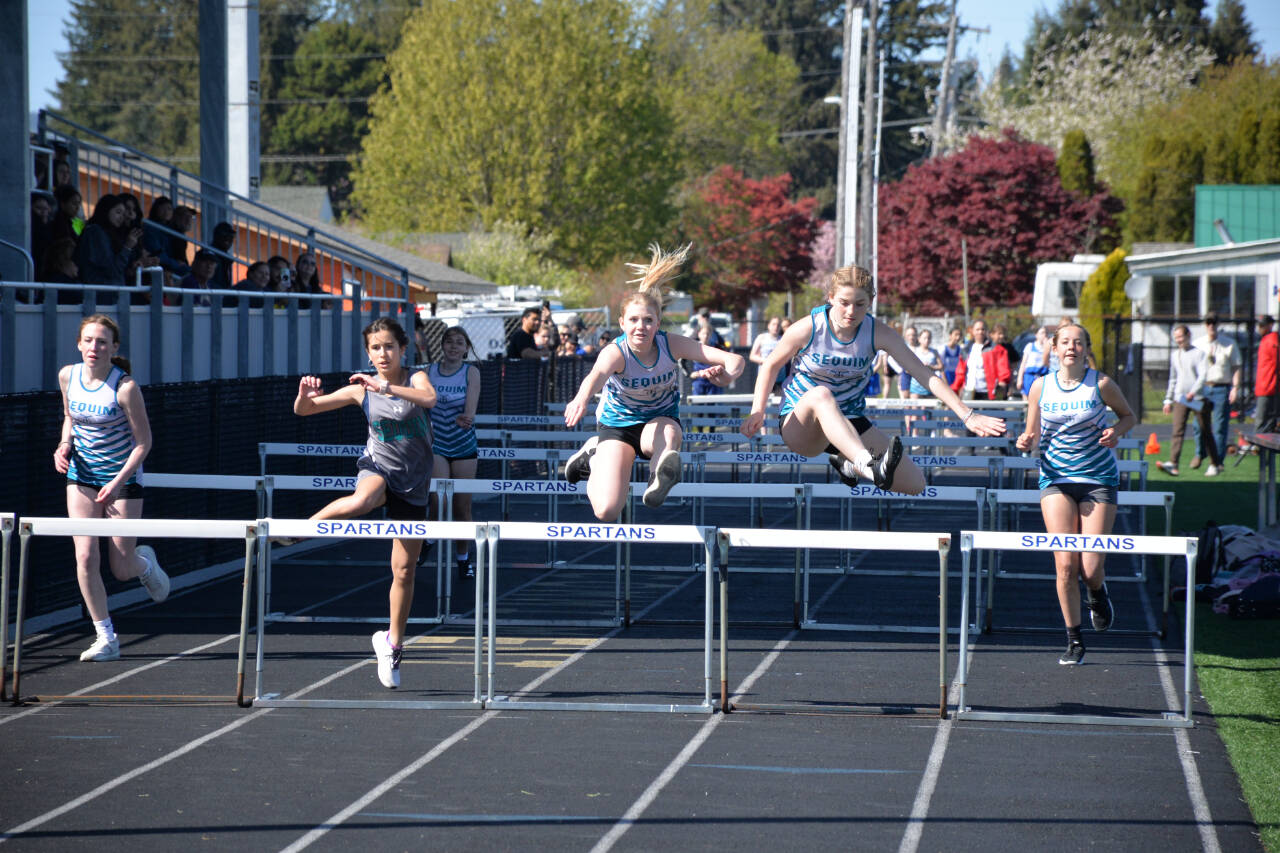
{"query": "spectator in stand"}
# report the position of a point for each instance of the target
(306, 279)
(106, 252)
(133, 211)
(1221, 386)
(157, 242)
(521, 343)
(984, 369)
(1000, 338)
(1264, 383)
(1185, 395)
(255, 281)
(1033, 365)
(41, 231)
(568, 345)
(952, 354)
(181, 221)
(66, 216)
(224, 240)
(61, 173)
(59, 266)
(542, 340)
(201, 275)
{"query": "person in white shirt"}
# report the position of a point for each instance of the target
(1185, 395)
(1221, 385)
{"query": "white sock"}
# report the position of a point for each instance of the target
(145, 573)
(863, 461)
(105, 629)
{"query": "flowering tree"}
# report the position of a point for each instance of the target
(823, 253)
(1004, 198)
(1094, 87)
(750, 238)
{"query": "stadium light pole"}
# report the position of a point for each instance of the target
(847, 186)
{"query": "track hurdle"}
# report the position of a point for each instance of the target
(150, 528)
(365, 530)
(1024, 497)
(581, 532)
(1170, 546)
(6, 535)
(732, 537)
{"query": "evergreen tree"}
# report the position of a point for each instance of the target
(1231, 36)
(1103, 296)
(1075, 164)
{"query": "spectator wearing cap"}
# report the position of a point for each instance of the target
(1221, 386)
(201, 275)
(1264, 383)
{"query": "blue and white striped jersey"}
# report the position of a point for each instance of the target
(641, 392)
(449, 439)
(1071, 420)
(843, 366)
(101, 438)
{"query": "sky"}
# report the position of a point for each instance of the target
(1008, 20)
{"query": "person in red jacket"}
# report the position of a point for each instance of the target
(1264, 383)
(985, 368)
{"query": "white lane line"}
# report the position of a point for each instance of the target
(655, 788)
(933, 768)
(439, 749)
(1190, 771)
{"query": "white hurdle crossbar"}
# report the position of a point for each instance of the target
(581, 532)
(151, 528)
(1125, 497)
(978, 540)
(732, 537)
(7, 520)
(366, 529)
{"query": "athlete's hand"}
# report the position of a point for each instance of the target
(715, 374)
(751, 424)
(1109, 438)
(62, 458)
(108, 492)
(464, 420)
(309, 386)
(985, 426)
(1025, 441)
(574, 411)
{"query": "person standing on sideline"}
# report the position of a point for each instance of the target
(395, 469)
(833, 354)
(1264, 383)
(105, 437)
(982, 372)
(766, 341)
(1067, 416)
(521, 343)
(1032, 365)
(1184, 395)
(453, 429)
(952, 355)
(639, 411)
(1221, 385)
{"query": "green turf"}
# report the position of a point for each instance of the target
(1237, 661)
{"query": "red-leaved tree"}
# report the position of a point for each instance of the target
(1005, 199)
(749, 238)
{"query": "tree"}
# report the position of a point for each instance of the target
(1077, 21)
(510, 254)
(721, 87)
(536, 112)
(1227, 130)
(1075, 164)
(749, 238)
(1097, 89)
(1001, 196)
(1103, 296)
(334, 71)
(1231, 36)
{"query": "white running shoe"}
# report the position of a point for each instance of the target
(1212, 470)
(579, 465)
(664, 473)
(156, 582)
(102, 649)
(388, 660)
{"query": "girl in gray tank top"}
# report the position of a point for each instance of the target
(395, 469)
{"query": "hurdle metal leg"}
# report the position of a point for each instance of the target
(6, 531)
(19, 622)
(246, 597)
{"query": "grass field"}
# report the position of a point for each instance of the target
(1237, 661)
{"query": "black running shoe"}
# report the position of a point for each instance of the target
(1101, 613)
(845, 470)
(466, 567)
(579, 465)
(663, 474)
(1073, 655)
(884, 465)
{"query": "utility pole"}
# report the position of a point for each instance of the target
(866, 232)
(944, 87)
(847, 187)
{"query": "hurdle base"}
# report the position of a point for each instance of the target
(272, 700)
(352, 620)
(1167, 720)
(873, 629)
(853, 709)
(501, 703)
(1044, 629)
(537, 623)
(126, 699)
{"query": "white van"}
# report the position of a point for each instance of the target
(1058, 286)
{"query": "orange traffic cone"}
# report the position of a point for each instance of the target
(1153, 446)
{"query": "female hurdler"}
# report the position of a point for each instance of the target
(1067, 414)
(833, 353)
(395, 469)
(638, 412)
(105, 437)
